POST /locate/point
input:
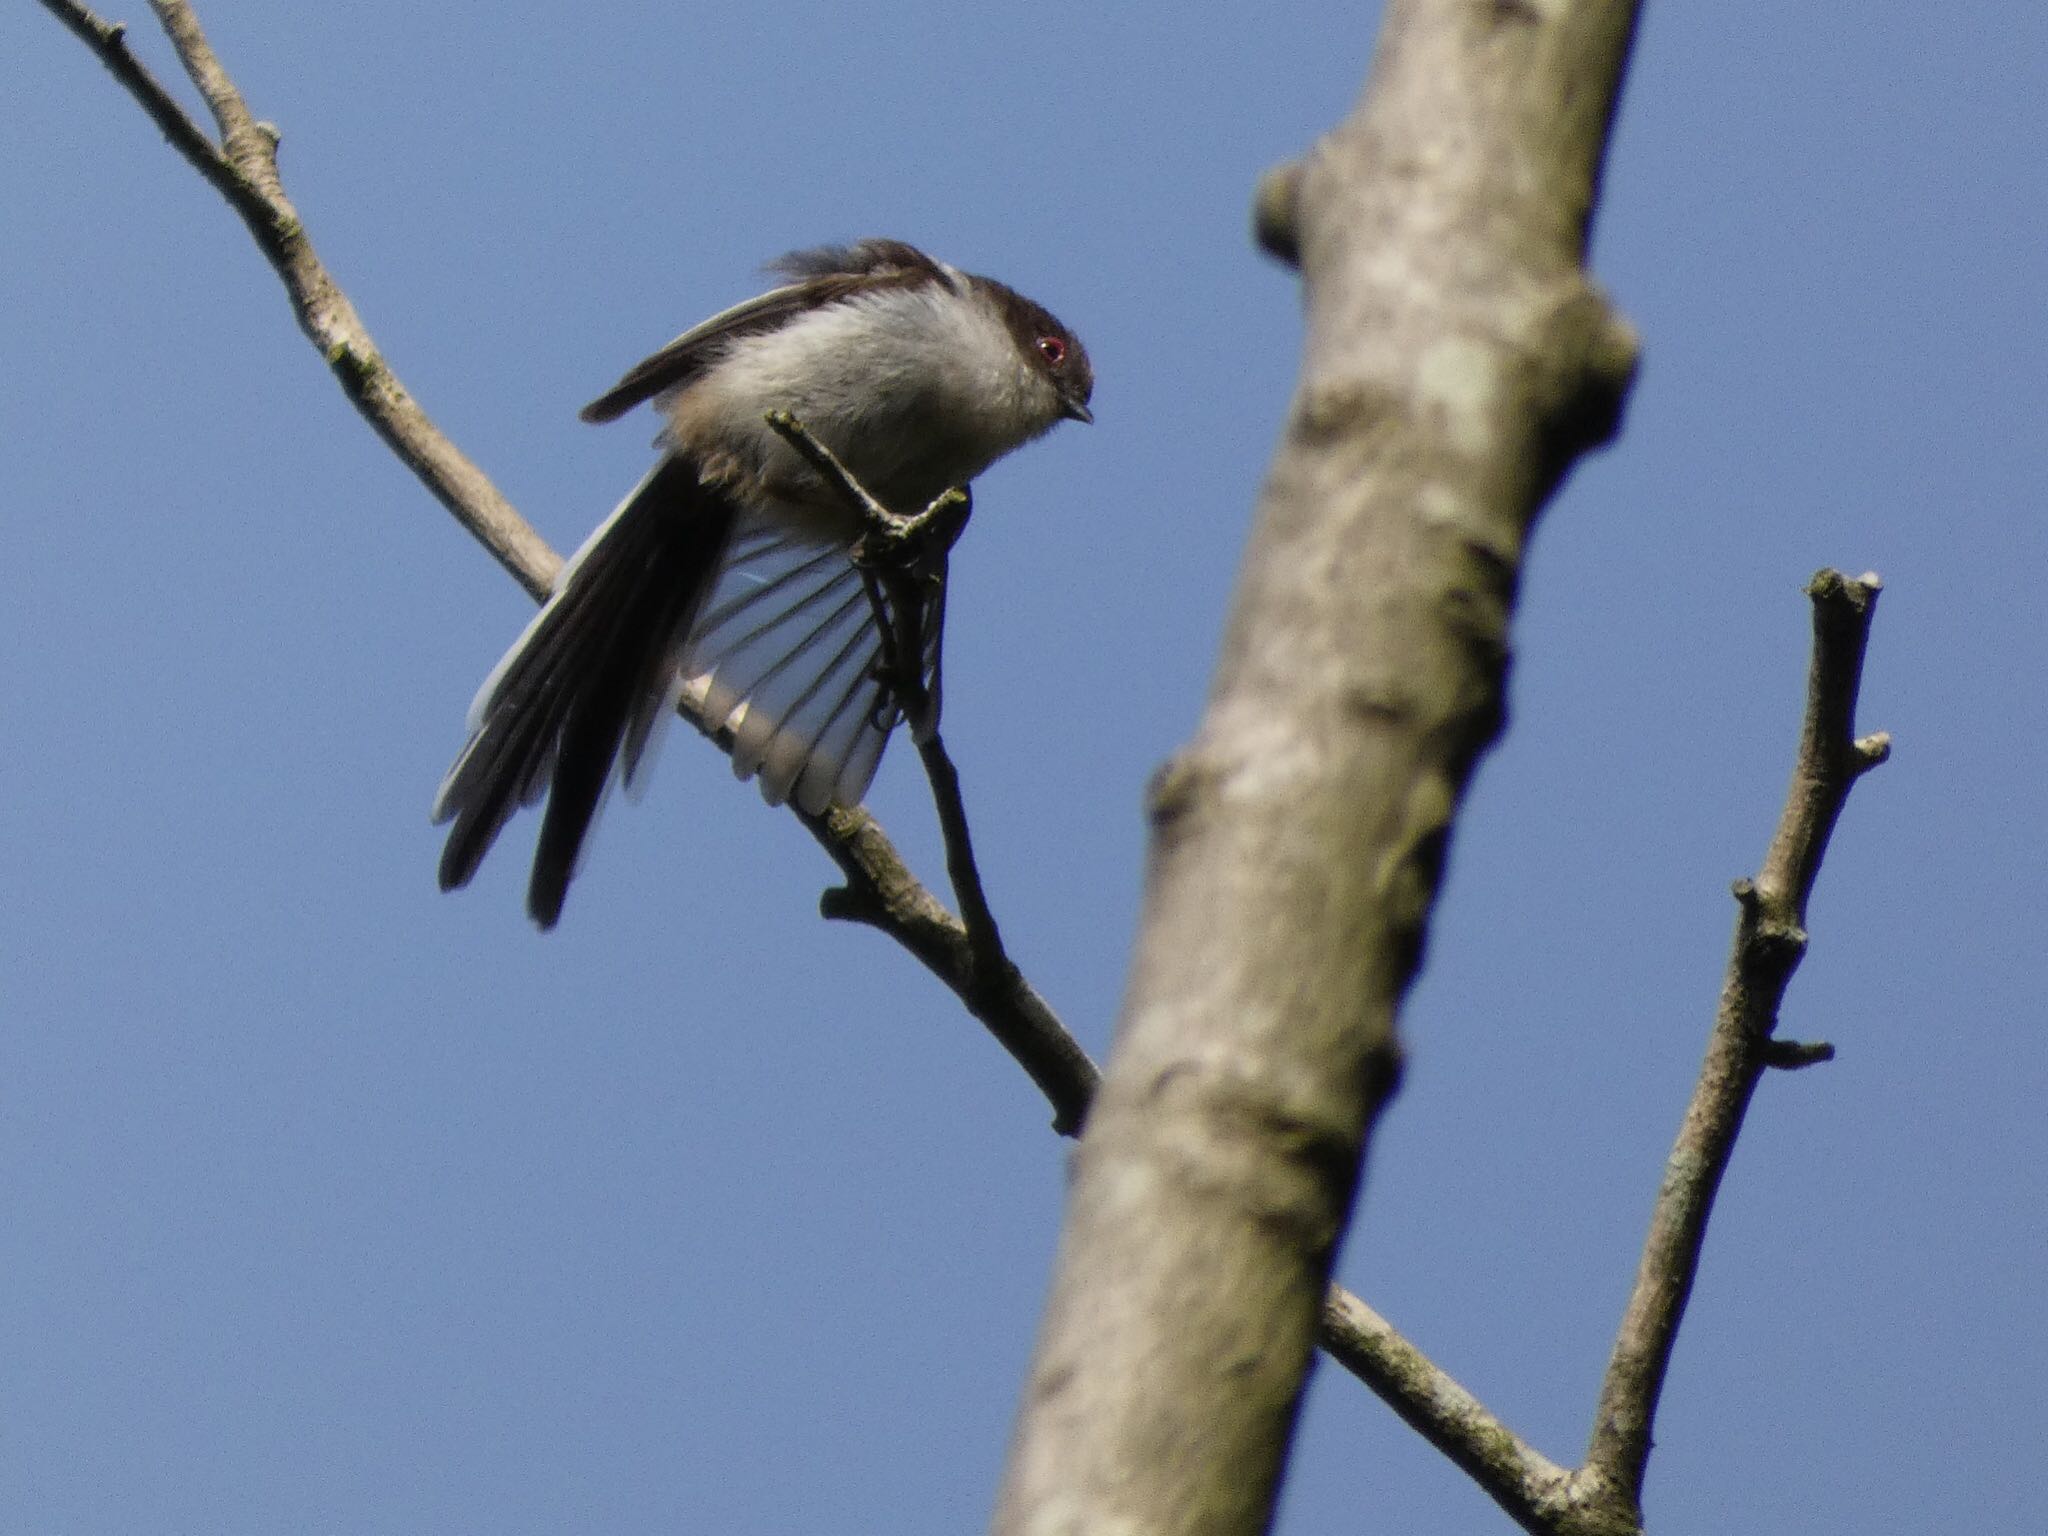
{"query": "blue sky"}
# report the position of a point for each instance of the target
(337, 1204)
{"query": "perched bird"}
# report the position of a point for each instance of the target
(725, 576)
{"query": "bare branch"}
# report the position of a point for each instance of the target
(1770, 939)
(1526, 1484)
(882, 893)
(249, 143)
(109, 40)
(243, 169)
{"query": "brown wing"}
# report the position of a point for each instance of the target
(825, 275)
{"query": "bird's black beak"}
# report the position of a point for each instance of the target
(1075, 409)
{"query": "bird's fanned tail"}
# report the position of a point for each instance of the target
(680, 594)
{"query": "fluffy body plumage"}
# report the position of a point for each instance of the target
(724, 576)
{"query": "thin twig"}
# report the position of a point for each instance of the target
(899, 552)
(243, 169)
(829, 469)
(901, 558)
(992, 964)
(1770, 939)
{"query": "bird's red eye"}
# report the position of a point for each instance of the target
(1052, 349)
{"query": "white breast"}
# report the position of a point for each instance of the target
(915, 389)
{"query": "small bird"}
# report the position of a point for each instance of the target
(726, 576)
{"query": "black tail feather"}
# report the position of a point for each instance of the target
(643, 631)
(559, 708)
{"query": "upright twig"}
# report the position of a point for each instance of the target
(1770, 939)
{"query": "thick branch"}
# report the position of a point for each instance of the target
(1770, 939)
(1458, 360)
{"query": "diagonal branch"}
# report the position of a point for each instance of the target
(1522, 1481)
(880, 888)
(882, 893)
(243, 169)
(1770, 939)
